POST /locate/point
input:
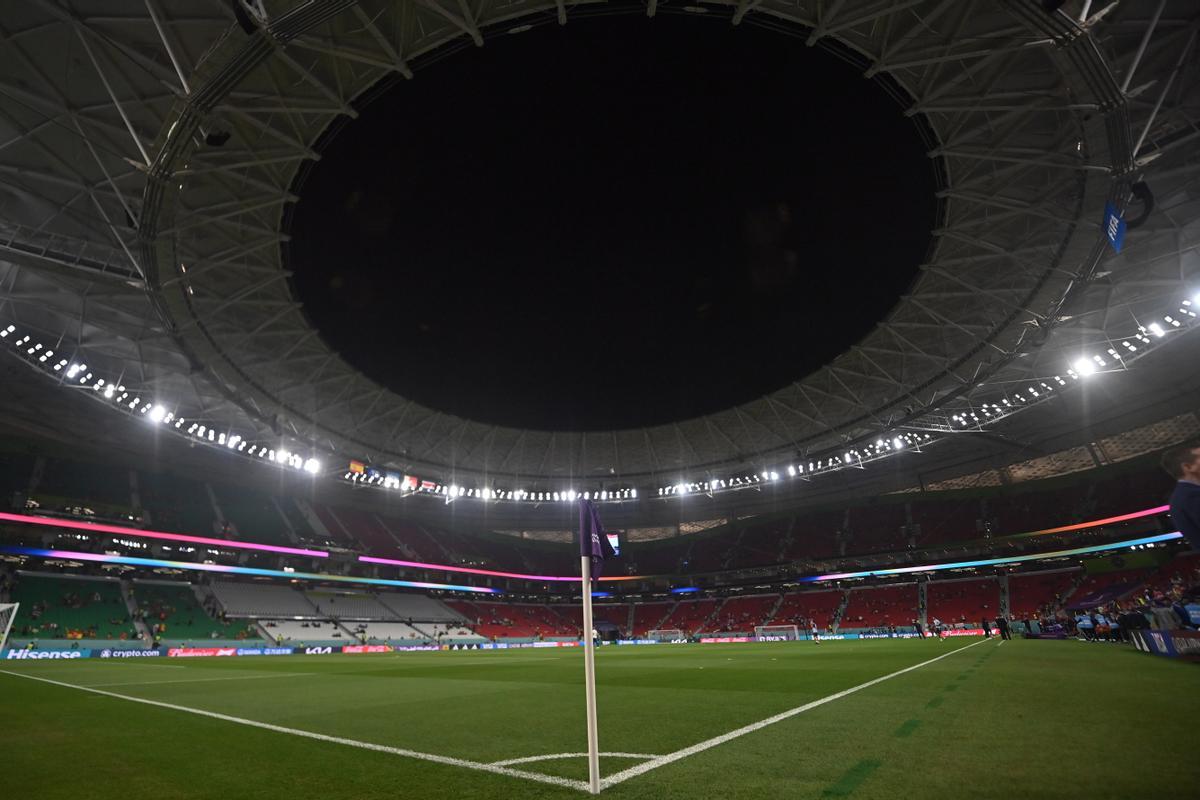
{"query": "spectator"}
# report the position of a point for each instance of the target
(1183, 464)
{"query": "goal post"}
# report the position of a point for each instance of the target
(8, 613)
(666, 635)
(776, 633)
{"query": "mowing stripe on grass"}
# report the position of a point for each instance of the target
(707, 744)
(321, 737)
(198, 680)
(906, 730)
(935, 702)
(853, 778)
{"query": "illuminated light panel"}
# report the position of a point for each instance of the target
(144, 534)
(989, 562)
(272, 573)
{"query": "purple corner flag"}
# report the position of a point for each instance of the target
(592, 541)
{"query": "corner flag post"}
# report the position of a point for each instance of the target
(589, 677)
(592, 549)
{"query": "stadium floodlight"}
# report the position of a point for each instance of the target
(157, 413)
(1157, 330)
(312, 466)
(897, 443)
(1084, 367)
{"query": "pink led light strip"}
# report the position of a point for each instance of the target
(178, 537)
(52, 522)
(1149, 512)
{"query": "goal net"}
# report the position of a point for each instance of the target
(666, 635)
(776, 633)
(8, 612)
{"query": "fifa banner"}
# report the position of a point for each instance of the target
(22, 654)
(1173, 644)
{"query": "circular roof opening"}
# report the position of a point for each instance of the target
(612, 224)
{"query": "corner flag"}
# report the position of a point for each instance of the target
(593, 544)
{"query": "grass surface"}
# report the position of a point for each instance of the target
(1022, 719)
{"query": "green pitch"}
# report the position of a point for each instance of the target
(1017, 720)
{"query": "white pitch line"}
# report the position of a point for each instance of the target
(198, 680)
(379, 748)
(556, 756)
(661, 761)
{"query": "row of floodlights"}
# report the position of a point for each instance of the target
(411, 484)
(855, 456)
(79, 374)
(1082, 367)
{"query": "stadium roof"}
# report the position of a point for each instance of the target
(150, 158)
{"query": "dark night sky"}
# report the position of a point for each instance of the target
(620, 222)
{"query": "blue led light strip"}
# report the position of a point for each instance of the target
(988, 562)
(222, 568)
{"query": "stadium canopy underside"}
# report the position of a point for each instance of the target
(150, 154)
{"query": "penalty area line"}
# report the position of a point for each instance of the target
(700, 747)
(321, 737)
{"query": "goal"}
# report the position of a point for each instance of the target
(8, 612)
(666, 635)
(776, 633)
